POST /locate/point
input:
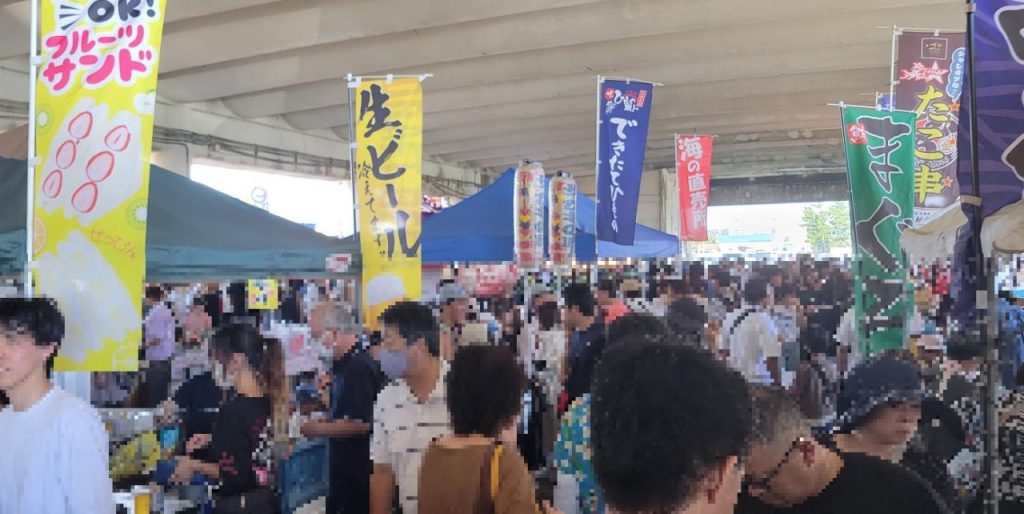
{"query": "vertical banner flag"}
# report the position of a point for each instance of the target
(389, 153)
(625, 109)
(94, 125)
(693, 174)
(929, 81)
(880, 158)
(999, 74)
(562, 225)
(528, 205)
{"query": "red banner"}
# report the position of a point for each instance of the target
(693, 168)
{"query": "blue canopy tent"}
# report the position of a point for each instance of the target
(480, 229)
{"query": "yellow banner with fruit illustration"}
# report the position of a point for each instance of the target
(96, 93)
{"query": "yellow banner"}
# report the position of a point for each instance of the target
(263, 294)
(94, 121)
(389, 156)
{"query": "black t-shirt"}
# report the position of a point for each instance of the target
(241, 444)
(581, 369)
(865, 485)
(356, 380)
(199, 398)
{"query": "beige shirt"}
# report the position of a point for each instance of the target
(403, 428)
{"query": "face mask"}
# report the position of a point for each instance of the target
(323, 351)
(393, 364)
(223, 378)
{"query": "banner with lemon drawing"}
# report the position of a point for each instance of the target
(94, 121)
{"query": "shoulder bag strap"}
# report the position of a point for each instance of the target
(485, 498)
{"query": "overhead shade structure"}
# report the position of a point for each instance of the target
(194, 233)
(480, 229)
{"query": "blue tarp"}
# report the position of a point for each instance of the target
(480, 229)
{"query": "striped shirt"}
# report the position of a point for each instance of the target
(403, 428)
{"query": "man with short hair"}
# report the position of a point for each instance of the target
(586, 342)
(752, 338)
(54, 446)
(669, 425)
(454, 302)
(787, 471)
(355, 382)
(411, 411)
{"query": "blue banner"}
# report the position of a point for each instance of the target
(998, 72)
(622, 138)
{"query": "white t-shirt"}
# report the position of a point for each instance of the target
(751, 342)
(403, 428)
(54, 458)
(846, 335)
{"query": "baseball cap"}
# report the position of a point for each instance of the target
(451, 292)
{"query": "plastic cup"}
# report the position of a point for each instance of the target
(143, 499)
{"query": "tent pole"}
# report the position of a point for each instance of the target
(360, 315)
(33, 160)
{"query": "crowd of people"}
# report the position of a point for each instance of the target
(734, 387)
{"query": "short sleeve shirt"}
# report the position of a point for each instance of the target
(573, 456)
(402, 430)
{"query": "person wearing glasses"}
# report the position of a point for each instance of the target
(787, 471)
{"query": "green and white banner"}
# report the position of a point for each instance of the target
(880, 159)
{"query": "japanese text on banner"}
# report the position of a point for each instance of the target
(622, 140)
(880, 157)
(94, 121)
(930, 76)
(693, 174)
(389, 154)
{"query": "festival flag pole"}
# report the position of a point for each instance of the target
(597, 180)
(32, 160)
(352, 146)
(896, 31)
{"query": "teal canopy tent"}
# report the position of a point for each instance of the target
(194, 234)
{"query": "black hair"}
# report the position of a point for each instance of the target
(155, 293)
(607, 285)
(783, 291)
(636, 324)
(485, 390)
(1020, 376)
(39, 318)
(264, 355)
(776, 415)
(579, 295)
(686, 319)
(755, 291)
(414, 321)
(547, 315)
(656, 440)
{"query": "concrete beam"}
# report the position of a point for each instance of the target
(739, 67)
(270, 29)
(532, 31)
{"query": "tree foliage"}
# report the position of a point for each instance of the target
(827, 227)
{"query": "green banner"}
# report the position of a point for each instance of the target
(880, 159)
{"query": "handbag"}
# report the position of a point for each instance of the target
(489, 479)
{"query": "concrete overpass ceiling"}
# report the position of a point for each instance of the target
(516, 79)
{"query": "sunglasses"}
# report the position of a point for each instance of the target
(764, 483)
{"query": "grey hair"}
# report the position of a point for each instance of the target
(777, 416)
(339, 317)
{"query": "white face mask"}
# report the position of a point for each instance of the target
(324, 351)
(222, 377)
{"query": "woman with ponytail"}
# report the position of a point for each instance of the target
(247, 426)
